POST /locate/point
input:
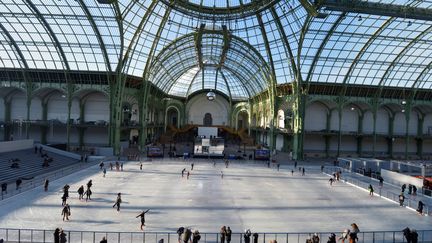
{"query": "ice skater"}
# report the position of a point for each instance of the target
(81, 192)
(66, 190)
(141, 166)
(89, 184)
(331, 180)
(104, 172)
(46, 185)
(121, 166)
(401, 200)
(66, 212)
(278, 166)
(111, 166)
(371, 190)
(183, 171)
(64, 198)
(420, 208)
(88, 193)
(188, 174)
(192, 165)
(292, 172)
(118, 202)
(142, 216)
(303, 171)
(222, 174)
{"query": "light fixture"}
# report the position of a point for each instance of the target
(211, 96)
(403, 102)
(63, 96)
(360, 18)
(352, 108)
(409, 23)
(403, 110)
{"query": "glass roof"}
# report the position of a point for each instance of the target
(343, 48)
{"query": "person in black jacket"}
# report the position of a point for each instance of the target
(62, 237)
(118, 202)
(196, 236)
(414, 236)
(142, 218)
(57, 235)
(420, 207)
(255, 237)
(104, 240)
(81, 192)
(228, 234)
(247, 236)
(89, 184)
(66, 212)
(407, 234)
(88, 193)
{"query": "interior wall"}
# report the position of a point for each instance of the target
(367, 122)
(57, 108)
(427, 124)
(36, 109)
(316, 117)
(314, 142)
(399, 124)
(334, 120)
(348, 143)
(382, 121)
(18, 106)
(96, 107)
(349, 120)
(96, 136)
(198, 106)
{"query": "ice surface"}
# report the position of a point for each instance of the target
(249, 196)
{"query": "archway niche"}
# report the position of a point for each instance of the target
(172, 117)
(243, 120)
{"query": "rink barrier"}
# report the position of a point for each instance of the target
(46, 236)
(410, 200)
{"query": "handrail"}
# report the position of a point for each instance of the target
(45, 236)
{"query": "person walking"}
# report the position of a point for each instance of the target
(118, 202)
(196, 236)
(188, 174)
(331, 180)
(183, 171)
(56, 235)
(142, 216)
(223, 233)
(80, 192)
(401, 199)
(66, 212)
(381, 182)
(228, 234)
(371, 190)
(46, 185)
(247, 236)
(63, 237)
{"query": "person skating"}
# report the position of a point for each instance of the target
(64, 198)
(401, 199)
(223, 233)
(371, 190)
(344, 236)
(118, 202)
(56, 235)
(315, 238)
(295, 164)
(196, 236)
(141, 166)
(222, 174)
(111, 166)
(142, 215)
(278, 166)
(88, 193)
(121, 166)
(331, 180)
(101, 165)
(192, 165)
(18, 183)
(403, 188)
(46, 185)
(414, 190)
(66, 190)
(228, 234)
(247, 236)
(420, 208)
(381, 181)
(89, 184)
(104, 172)
(188, 174)
(292, 172)
(81, 192)
(303, 171)
(180, 231)
(66, 212)
(183, 171)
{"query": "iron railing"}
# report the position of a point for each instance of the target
(46, 236)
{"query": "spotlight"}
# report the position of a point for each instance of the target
(360, 18)
(352, 108)
(403, 111)
(409, 23)
(63, 96)
(403, 102)
(211, 96)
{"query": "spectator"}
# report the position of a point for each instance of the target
(344, 236)
(196, 236)
(228, 234)
(332, 238)
(407, 234)
(247, 236)
(315, 238)
(255, 237)
(18, 183)
(104, 240)
(57, 235)
(223, 233)
(62, 237)
(414, 236)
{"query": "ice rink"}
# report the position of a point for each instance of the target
(250, 195)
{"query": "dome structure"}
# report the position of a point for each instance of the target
(264, 53)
